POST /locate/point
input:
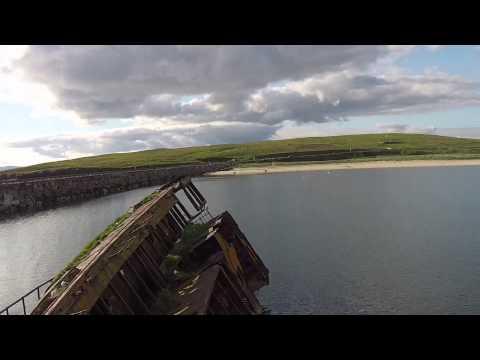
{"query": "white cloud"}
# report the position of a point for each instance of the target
(145, 138)
(10, 156)
(405, 128)
(17, 89)
(434, 47)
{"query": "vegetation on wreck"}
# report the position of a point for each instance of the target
(145, 200)
(178, 265)
(191, 233)
(103, 235)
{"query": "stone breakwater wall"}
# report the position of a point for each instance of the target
(26, 196)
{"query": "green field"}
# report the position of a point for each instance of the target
(334, 148)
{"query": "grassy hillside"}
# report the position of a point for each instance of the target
(303, 149)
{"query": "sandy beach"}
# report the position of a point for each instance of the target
(344, 166)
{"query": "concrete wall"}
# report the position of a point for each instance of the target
(31, 195)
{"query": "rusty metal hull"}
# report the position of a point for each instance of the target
(128, 271)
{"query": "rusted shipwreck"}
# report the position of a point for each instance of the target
(167, 255)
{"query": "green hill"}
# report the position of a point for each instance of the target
(332, 148)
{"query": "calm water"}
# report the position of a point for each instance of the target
(383, 241)
(35, 248)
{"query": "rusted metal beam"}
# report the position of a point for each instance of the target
(184, 209)
(135, 293)
(120, 297)
(179, 212)
(152, 261)
(195, 191)
(147, 262)
(178, 217)
(192, 200)
(173, 223)
(129, 265)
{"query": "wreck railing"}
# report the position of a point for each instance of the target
(6, 310)
(202, 217)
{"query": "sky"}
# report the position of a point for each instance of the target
(62, 102)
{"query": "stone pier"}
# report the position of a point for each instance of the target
(26, 195)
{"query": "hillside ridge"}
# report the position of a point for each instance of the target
(299, 149)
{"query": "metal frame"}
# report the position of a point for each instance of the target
(203, 217)
(5, 311)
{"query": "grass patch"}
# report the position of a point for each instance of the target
(193, 231)
(92, 244)
(103, 235)
(145, 200)
(178, 264)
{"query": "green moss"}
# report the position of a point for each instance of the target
(103, 235)
(146, 200)
(193, 231)
(177, 264)
(170, 263)
(91, 245)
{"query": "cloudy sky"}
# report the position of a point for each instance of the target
(60, 102)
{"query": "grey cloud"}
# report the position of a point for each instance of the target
(334, 97)
(254, 88)
(136, 139)
(100, 82)
(340, 96)
(116, 81)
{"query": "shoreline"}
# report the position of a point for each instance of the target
(386, 164)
